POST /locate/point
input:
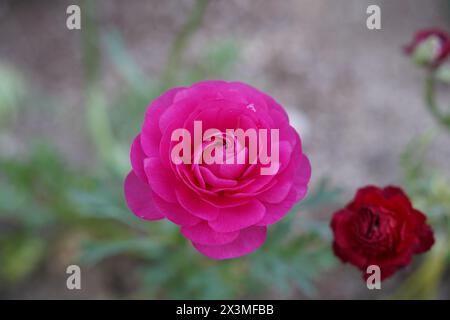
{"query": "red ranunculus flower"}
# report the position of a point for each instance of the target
(433, 55)
(380, 227)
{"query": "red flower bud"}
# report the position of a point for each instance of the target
(430, 47)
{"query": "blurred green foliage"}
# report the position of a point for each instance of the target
(43, 202)
(12, 91)
(429, 188)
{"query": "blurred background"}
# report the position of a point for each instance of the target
(72, 100)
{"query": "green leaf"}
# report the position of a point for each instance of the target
(20, 256)
(96, 251)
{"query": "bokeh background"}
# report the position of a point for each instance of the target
(72, 100)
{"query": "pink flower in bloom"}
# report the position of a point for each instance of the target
(223, 209)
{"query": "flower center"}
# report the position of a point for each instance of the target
(370, 220)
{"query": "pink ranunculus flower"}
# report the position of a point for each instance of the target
(222, 208)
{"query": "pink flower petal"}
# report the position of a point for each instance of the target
(275, 212)
(303, 173)
(160, 179)
(165, 147)
(236, 218)
(150, 134)
(202, 233)
(139, 198)
(248, 241)
(288, 179)
(192, 203)
(178, 112)
(213, 180)
(232, 171)
(174, 212)
(258, 184)
(278, 192)
(137, 157)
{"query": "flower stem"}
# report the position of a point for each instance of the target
(181, 40)
(424, 282)
(429, 93)
(96, 113)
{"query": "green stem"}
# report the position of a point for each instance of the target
(429, 93)
(97, 118)
(181, 40)
(96, 113)
(424, 282)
